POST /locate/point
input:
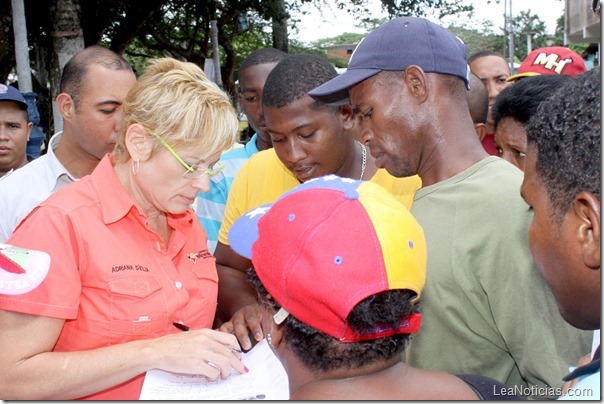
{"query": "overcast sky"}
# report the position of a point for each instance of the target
(334, 22)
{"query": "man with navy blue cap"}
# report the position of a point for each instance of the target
(14, 129)
(487, 309)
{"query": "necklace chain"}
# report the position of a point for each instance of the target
(364, 163)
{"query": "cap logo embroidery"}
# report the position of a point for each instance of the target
(3, 89)
(551, 62)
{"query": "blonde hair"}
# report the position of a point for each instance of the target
(177, 101)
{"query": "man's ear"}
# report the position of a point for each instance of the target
(347, 116)
(65, 106)
(30, 126)
(586, 208)
(416, 82)
(481, 130)
(138, 142)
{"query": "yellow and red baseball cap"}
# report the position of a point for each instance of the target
(550, 60)
(328, 244)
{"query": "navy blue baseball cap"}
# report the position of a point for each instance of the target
(395, 45)
(10, 93)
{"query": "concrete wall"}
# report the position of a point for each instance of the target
(582, 25)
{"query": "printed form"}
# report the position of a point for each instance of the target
(266, 380)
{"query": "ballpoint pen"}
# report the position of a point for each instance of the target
(183, 327)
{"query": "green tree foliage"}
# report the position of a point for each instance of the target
(478, 39)
(323, 46)
(141, 29)
(527, 24)
(342, 39)
(441, 8)
(258, 36)
(398, 8)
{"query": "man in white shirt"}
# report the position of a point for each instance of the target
(93, 87)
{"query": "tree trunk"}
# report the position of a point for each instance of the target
(229, 69)
(7, 42)
(280, 37)
(68, 39)
(21, 46)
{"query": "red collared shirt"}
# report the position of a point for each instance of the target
(111, 277)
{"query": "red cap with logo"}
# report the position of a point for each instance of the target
(550, 60)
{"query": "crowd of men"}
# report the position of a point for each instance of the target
(425, 225)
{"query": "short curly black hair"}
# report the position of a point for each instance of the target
(321, 352)
(520, 101)
(483, 53)
(260, 57)
(566, 131)
(294, 77)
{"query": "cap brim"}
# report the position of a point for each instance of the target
(336, 89)
(20, 103)
(244, 232)
(521, 75)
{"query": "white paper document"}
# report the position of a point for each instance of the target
(266, 380)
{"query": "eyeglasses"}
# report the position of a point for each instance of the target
(193, 172)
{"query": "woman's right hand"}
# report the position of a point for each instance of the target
(209, 353)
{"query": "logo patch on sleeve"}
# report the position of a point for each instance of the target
(21, 270)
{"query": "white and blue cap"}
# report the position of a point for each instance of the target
(394, 46)
(10, 93)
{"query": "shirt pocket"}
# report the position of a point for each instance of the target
(206, 278)
(138, 306)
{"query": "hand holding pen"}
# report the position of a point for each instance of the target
(209, 353)
(184, 327)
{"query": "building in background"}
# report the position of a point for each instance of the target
(582, 25)
(342, 52)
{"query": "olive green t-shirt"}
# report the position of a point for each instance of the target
(486, 308)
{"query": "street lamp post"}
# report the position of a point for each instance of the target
(511, 39)
(550, 39)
